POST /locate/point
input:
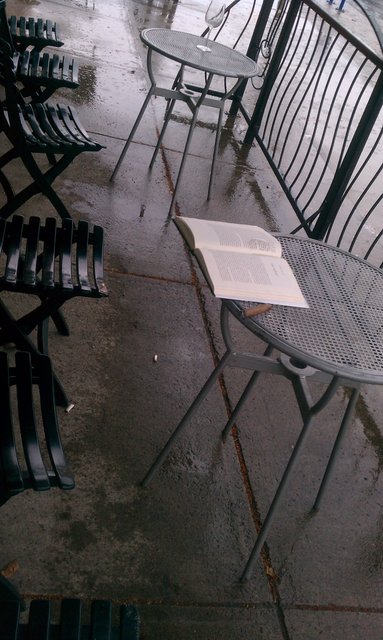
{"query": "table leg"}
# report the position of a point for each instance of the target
(189, 137)
(342, 430)
(133, 131)
(262, 534)
(216, 143)
(169, 111)
(187, 417)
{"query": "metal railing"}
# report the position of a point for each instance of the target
(319, 121)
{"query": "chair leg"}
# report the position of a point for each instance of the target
(41, 184)
(9, 193)
(43, 330)
(42, 336)
(60, 322)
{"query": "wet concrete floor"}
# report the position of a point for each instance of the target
(177, 548)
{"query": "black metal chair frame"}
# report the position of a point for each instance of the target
(37, 129)
(54, 264)
(40, 74)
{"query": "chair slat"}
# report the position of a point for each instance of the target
(39, 32)
(78, 124)
(37, 127)
(31, 27)
(75, 70)
(23, 26)
(9, 466)
(12, 21)
(48, 277)
(66, 239)
(74, 125)
(49, 30)
(98, 258)
(44, 63)
(101, 620)
(129, 622)
(45, 122)
(65, 68)
(63, 477)
(57, 123)
(55, 66)
(37, 472)
(3, 227)
(9, 619)
(70, 619)
(39, 620)
(23, 62)
(13, 248)
(82, 255)
(30, 261)
(34, 64)
(71, 129)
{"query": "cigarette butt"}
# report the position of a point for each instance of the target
(256, 311)
(10, 569)
(155, 357)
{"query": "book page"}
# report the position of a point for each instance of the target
(239, 276)
(241, 238)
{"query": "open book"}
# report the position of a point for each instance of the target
(241, 262)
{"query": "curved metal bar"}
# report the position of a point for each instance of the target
(377, 30)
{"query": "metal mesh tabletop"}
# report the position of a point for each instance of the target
(182, 47)
(342, 331)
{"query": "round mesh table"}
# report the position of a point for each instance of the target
(337, 341)
(342, 331)
(182, 48)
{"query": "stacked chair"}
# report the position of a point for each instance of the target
(39, 74)
(36, 129)
(37, 33)
(52, 259)
(55, 263)
(39, 463)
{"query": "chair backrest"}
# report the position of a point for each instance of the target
(73, 620)
(45, 256)
(34, 32)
